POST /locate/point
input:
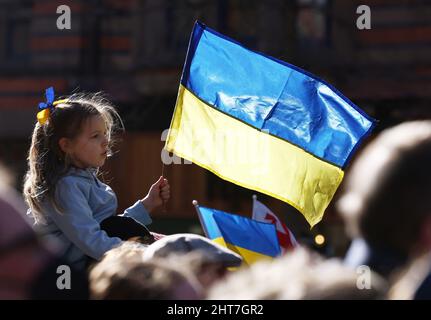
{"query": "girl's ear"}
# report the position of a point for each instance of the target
(64, 144)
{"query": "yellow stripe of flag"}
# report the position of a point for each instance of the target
(249, 257)
(251, 158)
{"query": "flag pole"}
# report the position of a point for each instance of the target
(254, 196)
(196, 205)
(163, 171)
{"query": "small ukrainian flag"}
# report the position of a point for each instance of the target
(264, 124)
(253, 240)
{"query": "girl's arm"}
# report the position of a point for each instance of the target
(76, 220)
(158, 194)
(139, 213)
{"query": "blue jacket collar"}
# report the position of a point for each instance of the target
(89, 173)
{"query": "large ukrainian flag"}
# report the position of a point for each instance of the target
(263, 124)
(252, 240)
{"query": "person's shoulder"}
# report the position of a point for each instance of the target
(77, 175)
(75, 178)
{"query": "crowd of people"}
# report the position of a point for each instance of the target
(67, 217)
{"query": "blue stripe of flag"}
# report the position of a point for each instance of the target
(273, 95)
(240, 231)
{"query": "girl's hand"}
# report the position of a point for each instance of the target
(159, 193)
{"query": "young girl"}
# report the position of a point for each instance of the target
(70, 141)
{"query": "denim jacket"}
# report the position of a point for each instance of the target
(85, 202)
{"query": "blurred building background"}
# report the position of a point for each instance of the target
(134, 51)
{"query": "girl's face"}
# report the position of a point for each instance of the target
(90, 147)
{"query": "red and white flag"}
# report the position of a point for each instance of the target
(285, 236)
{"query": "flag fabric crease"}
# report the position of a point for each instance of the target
(263, 124)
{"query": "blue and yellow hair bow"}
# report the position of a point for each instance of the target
(46, 107)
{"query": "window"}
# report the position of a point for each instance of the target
(312, 23)
(15, 34)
